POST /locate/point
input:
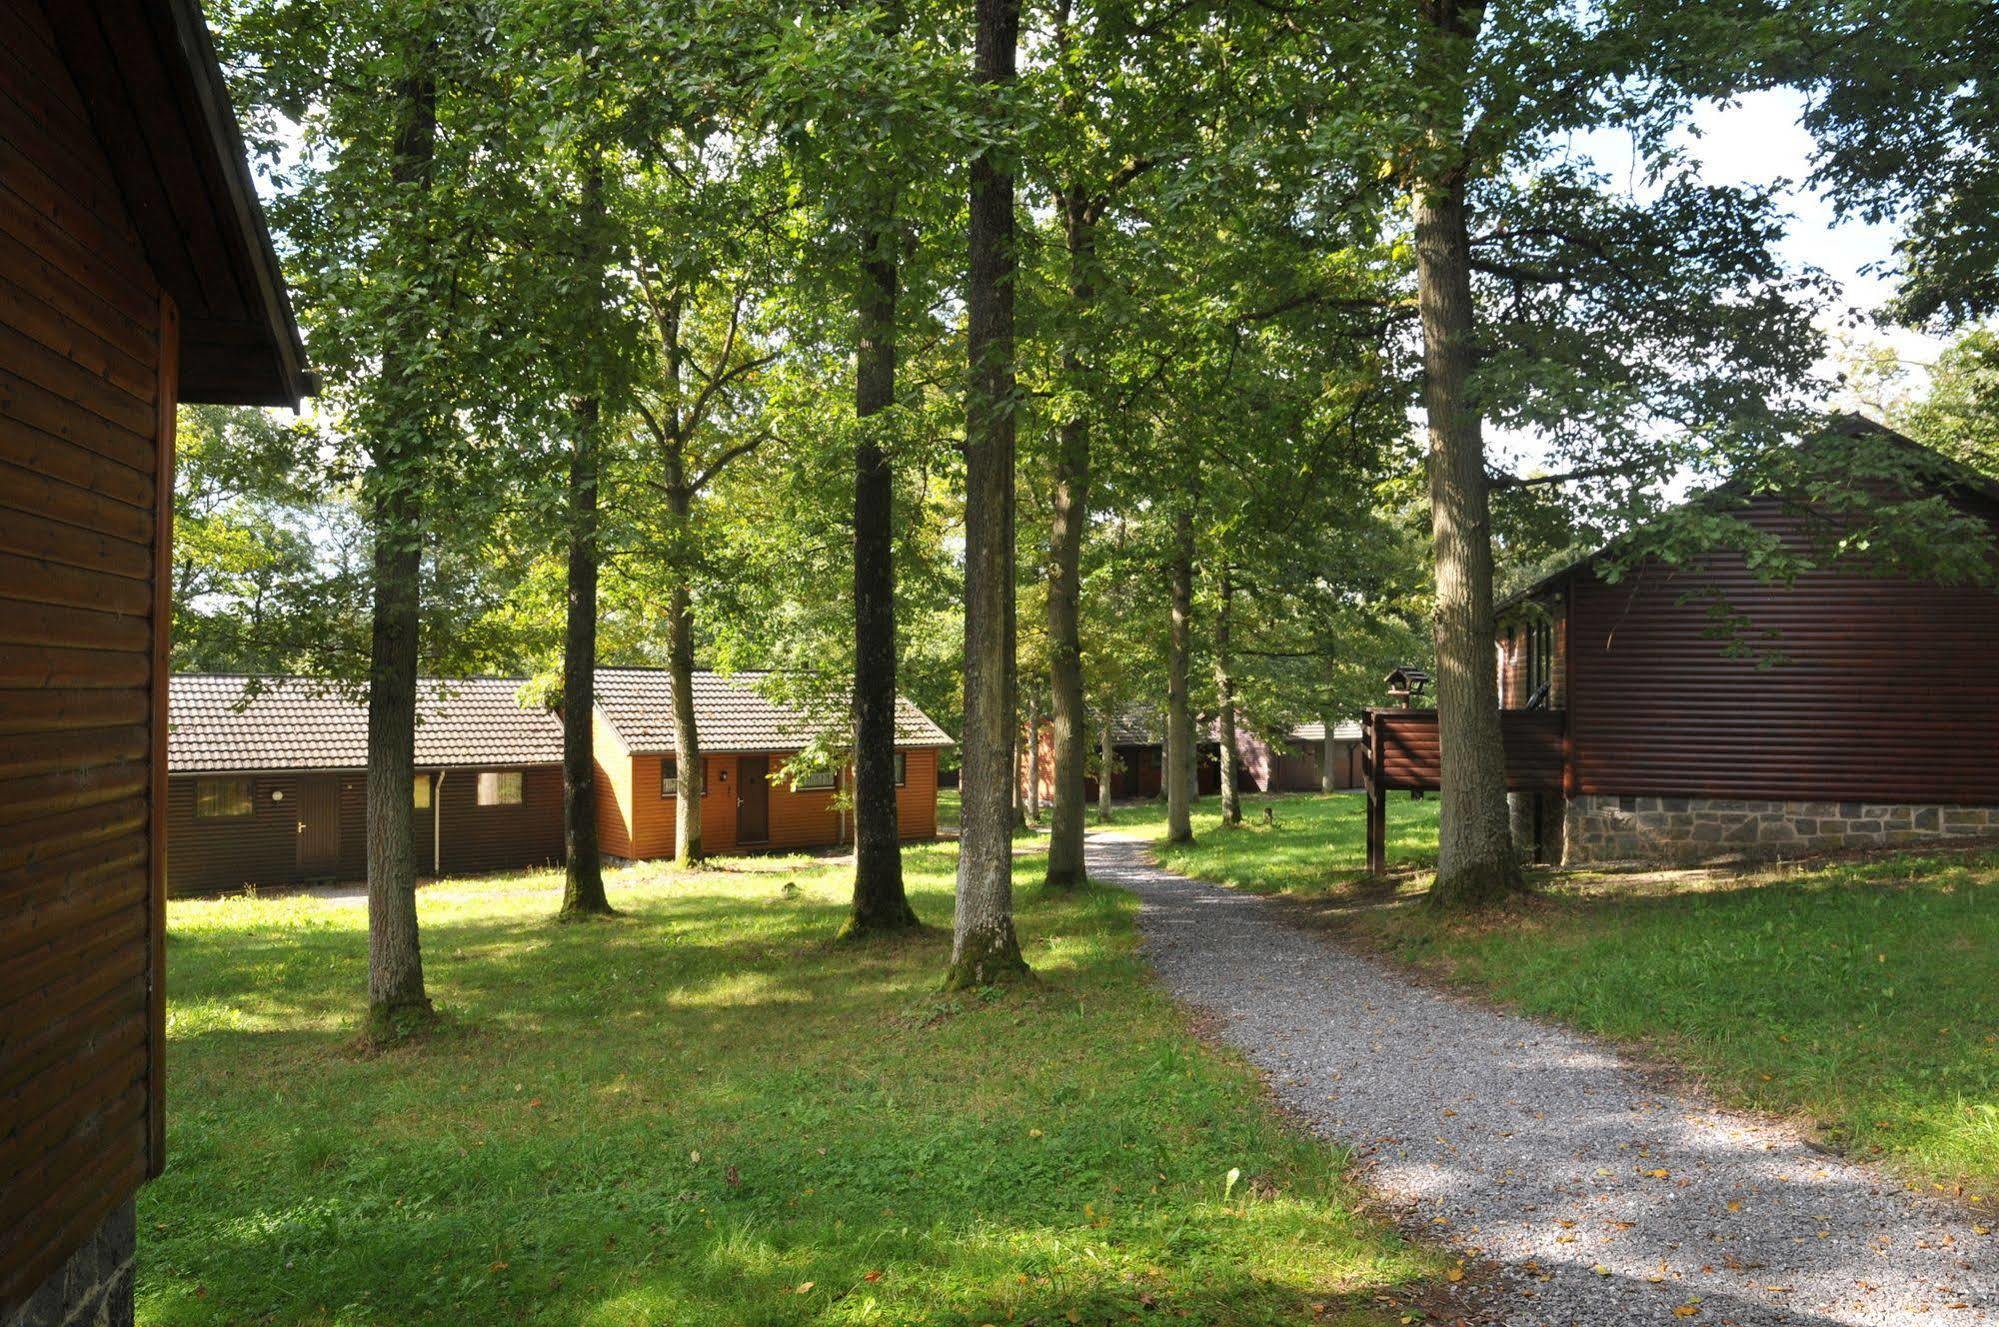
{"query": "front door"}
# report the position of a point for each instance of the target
(752, 799)
(318, 824)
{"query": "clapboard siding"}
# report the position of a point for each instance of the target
(86, 359)
(798, 819)
(499, 838)
(1887, 690)
(1408, 748)
(258, 849)
(206, 856)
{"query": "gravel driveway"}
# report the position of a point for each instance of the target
(1600, 1197)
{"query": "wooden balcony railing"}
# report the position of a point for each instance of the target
(1401, 749)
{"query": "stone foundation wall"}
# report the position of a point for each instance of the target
(92, 1289)
(1692, 829)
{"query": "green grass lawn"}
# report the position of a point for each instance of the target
(1314, 844)
(1861, 996)
(705, 1112)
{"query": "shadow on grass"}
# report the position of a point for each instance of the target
(689, 1112)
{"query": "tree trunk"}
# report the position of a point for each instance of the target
(1475, 858)
(1179, 774)
(583, 877)
(1107, 764)
(880, 903)
(688, 852)
(1329, 773)
(1225, 703)
(583, 880)
(1065, 573)
(396, 997)
(985, 950)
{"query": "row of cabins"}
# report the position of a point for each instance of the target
(1845, 709)
(267, 776)
(1290, 762)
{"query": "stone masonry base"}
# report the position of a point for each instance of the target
(1693, 829)
(92, 1289)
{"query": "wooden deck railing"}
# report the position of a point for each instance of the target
(1401, 749)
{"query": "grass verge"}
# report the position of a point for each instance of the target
(704, 1111)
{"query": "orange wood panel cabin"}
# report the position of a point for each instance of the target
(135, 272)
(747, 803)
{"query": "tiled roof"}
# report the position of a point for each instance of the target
(1136, 726)
(1346, 731)
(294, 723)
(732, 715)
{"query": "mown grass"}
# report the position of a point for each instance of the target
(1313, 844)
(707, 1112)
(1860, 996)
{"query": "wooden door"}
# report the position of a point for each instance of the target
(318, 824)
(752, 799)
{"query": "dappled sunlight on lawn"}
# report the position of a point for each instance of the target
(1312, 843)
(708, 1110)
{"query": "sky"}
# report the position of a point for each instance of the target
(1758, 140)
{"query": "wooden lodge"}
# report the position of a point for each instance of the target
(1866, 712)
(748, 741)
(267, 782)
(135, 273)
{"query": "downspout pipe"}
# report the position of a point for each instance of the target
(437, 825)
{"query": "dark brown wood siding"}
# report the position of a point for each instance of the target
(1409, 757)
(1890, 692)
(87, 352)
(479, 839)
(211, 855)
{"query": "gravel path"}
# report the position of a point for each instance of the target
(1600, 1198)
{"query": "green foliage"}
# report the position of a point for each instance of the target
(675, 1117)
(1906, 112)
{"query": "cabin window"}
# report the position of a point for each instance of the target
(422, 786)
(1540, 658)
(669, 776)
(901, 768)
(221, 799)
(818, 780)
(500, 787)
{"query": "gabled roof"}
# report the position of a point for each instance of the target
(1944, 471)
(158, 103)
(215, 725)
(731, 714)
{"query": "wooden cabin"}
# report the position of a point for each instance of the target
(135, 273)
(1857, 710)
(750, 800)
(1299, 766)
(267, 782)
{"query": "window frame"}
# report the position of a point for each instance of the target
(203, 787)
(423, 792)
(667, 794)
(810, 781)
(498, 776)
(901, 769)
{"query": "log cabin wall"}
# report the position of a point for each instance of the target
(88, 354)
(483, 839)
(261, 848)
(1889, 693)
